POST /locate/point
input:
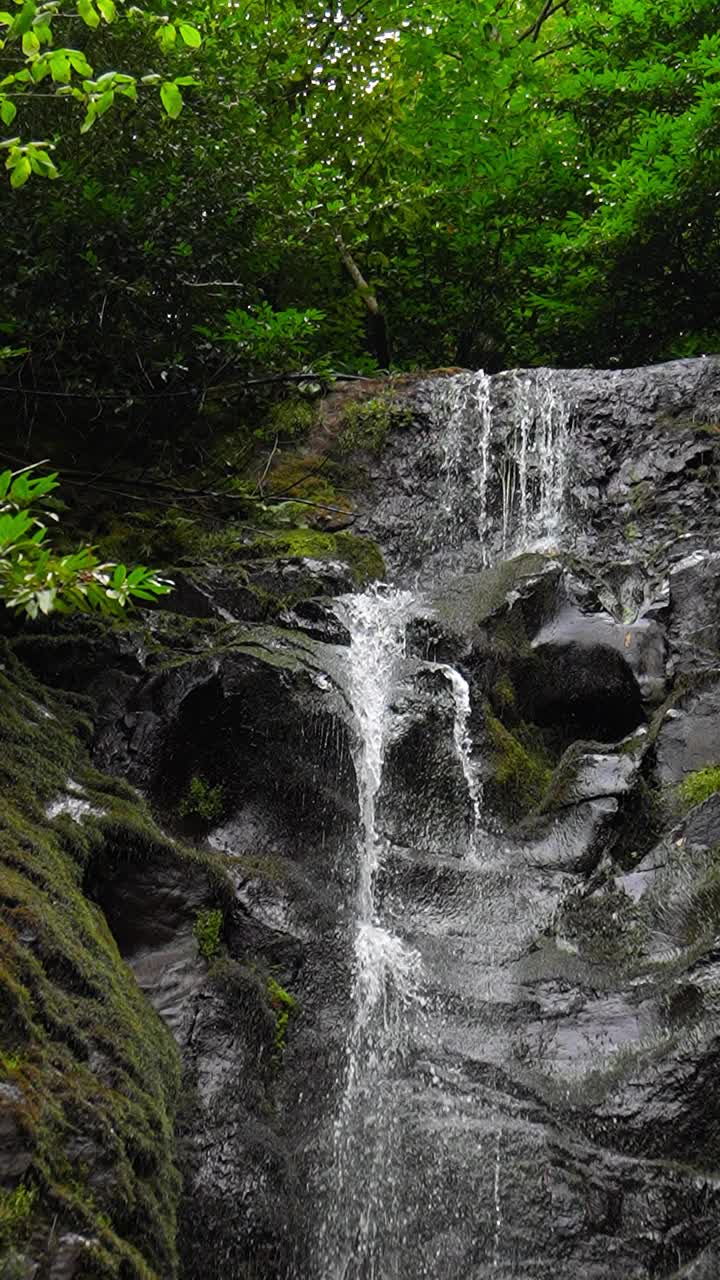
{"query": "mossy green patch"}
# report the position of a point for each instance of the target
(289, 419)
(366, 424)
(699, 786)
(284, 1005)
(521, 768)
(208, 931)
(202, 801)
(362, 556)
(92, 1067)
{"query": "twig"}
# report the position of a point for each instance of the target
(273, 451)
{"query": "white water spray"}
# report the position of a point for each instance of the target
(362, 1210)
(462, 739)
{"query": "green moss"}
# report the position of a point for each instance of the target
(366, 424)
(303, 477)
(202, 801)
(208, 930)
(521, 768)
(290, 419)
(90, 1062)
(15, 1214)
(699, 786)
(503, 693)
(284, 1005)
(361, 554)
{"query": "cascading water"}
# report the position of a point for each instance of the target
(500, 496)
(466, 411)
(363, 1211)
(405, 1134)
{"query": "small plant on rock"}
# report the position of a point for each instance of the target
(207, 931)
(284, 1004)
(699, 786)
(201, 801)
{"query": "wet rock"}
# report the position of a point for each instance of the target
(573, 839)
(68, 1256)
(580, 690)
(423, 767)
(641, 643)
(317, 620)
(694, 631)
(689, 736)
(15, 1152)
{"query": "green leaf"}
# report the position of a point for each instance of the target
(107, 9)
(90, 118)
(21, 172)
(166, 35)
(104, 102)
(8, 111)
(171, 98)
(30, 44)
(24, 20)
(88, 13)
(79, 62)
(190, 35)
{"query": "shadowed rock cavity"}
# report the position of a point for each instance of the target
(580, 691)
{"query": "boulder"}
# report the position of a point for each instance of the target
(689, 734)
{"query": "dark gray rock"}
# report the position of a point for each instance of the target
(689, 736)
(694, 631)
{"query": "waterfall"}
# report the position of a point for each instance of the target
(501, 488)
(363, 1210)
(538, 450)
(463, 407)
(525, 448)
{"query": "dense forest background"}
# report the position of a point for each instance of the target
(203, 195)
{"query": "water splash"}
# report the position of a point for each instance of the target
(462, 738)
(362, 1213)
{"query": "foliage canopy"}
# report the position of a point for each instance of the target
(506, 183)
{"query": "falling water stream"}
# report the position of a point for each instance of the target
(386, 972)
(373, 1211)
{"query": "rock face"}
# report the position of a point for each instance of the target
(429, 897)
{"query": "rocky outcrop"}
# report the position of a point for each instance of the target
(544, 864)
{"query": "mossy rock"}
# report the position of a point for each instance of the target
(521, 768)
(361, 555)
(95, 1074)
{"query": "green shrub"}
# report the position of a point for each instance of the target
(202, 801)
(698, 786)
(207, 931)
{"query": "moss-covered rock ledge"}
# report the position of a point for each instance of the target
(88, 1072)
